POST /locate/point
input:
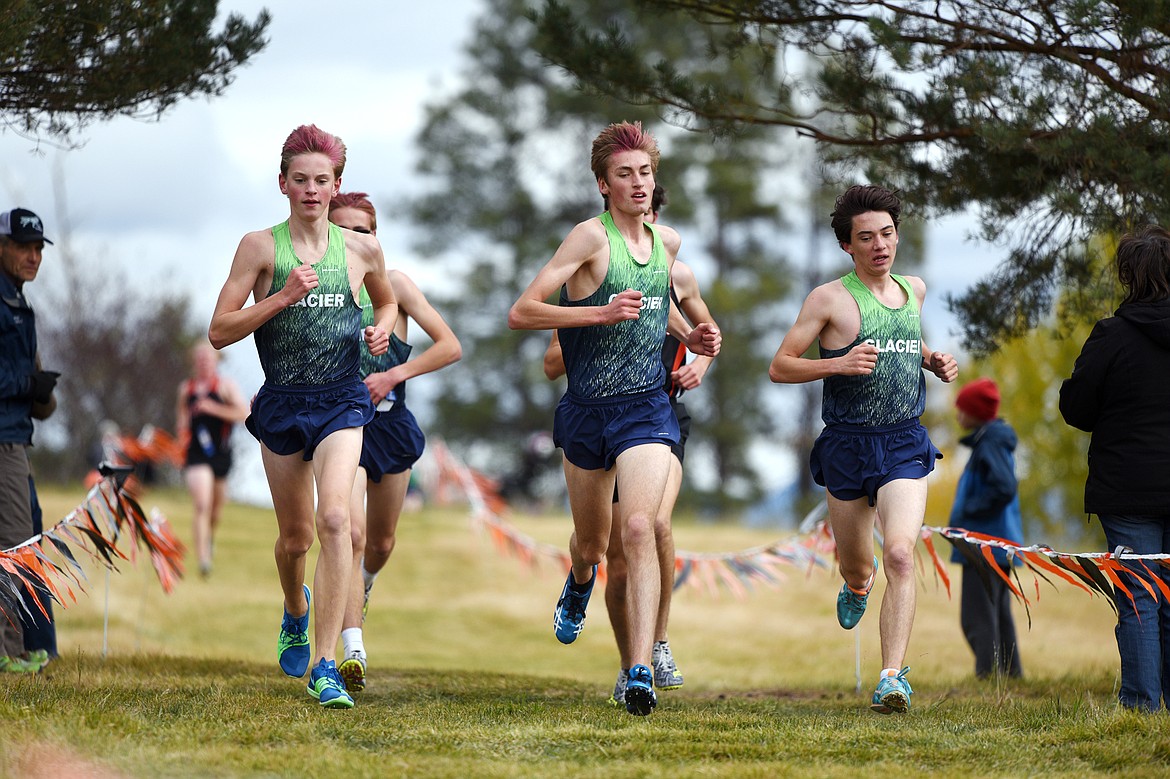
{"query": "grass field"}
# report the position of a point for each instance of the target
(466, 678)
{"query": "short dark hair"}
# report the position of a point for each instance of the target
(860, 199)
(658, 199)
(1143, 265)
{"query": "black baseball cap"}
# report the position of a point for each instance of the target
(22, 226)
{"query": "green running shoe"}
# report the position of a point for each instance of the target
(32, 663)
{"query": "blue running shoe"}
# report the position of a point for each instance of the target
(892, 694)
(850, 605)
(640, 697)
(569, 617)
(326, 686)
(292, 647)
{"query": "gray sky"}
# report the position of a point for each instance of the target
(167, 202)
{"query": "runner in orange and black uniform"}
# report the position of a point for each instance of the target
(208, 406)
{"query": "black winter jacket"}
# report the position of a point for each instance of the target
(1120, 392)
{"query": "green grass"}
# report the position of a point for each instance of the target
(466, 678)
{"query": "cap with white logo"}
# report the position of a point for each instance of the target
(22, 226)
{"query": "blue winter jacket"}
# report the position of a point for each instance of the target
(987, 499)
(18, 349)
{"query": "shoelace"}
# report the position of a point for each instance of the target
(575, 606)
(289, 625)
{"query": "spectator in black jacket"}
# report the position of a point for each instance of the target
(1118, 392)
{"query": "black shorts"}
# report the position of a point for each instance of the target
(220, 460)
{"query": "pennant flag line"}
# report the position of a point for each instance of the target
(1097, 573)
(736, 572)
(46, 565)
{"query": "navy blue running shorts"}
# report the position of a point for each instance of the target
(593, 433)
(852, 461)
(393, 443)
(288, 420)
(684, 432)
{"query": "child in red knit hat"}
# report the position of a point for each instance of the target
(987, 501)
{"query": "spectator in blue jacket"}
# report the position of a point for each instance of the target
(26, 392)
(987, 501)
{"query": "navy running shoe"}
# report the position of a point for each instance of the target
(640, 697)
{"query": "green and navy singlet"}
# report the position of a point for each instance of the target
(397, 354)
(318, 339)
(603, 361)
(896, 390)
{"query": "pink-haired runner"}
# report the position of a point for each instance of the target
(615, 422)
(304, 276)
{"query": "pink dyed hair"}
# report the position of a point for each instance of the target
(620, 137)
(358, 200)
(311, 139)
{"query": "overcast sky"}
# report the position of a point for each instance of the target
(168, 201)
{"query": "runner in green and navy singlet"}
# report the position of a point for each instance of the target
(397, 354)
(604, 361)
(318, 339)
(896, 390)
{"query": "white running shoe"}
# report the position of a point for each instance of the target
(666, 673)
(353, 671)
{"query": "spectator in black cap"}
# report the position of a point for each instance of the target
(26, 392)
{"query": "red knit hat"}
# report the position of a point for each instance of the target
(980, 399)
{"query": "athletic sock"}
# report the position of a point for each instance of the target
(887, 672)
(580, 589)
(367, 577)
(351, 640)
